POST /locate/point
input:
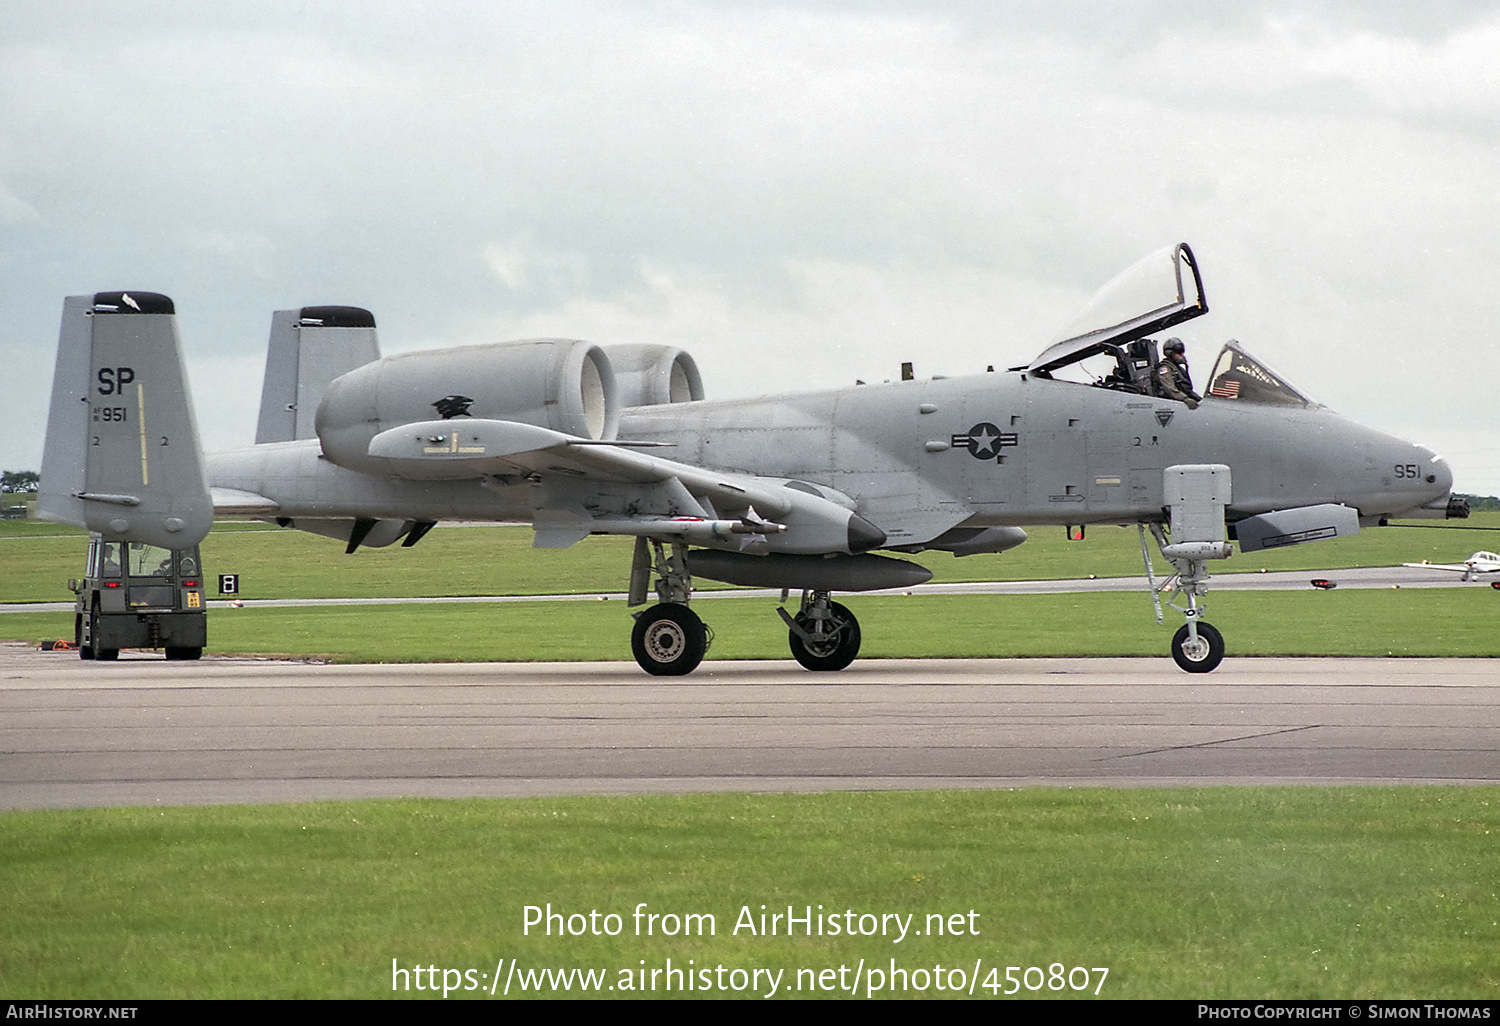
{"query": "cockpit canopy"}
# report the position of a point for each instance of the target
(1154, 294)
(1163, 290)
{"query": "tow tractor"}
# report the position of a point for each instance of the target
(135, 595)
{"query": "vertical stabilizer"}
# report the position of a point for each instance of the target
(309, 348)
(122, 456)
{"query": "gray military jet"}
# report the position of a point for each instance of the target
(796, 492)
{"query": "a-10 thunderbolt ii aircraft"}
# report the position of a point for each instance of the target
(796, 492)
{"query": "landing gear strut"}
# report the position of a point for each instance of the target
(1196, 495)
(824, 635)
(1197, 647)
(669, 640)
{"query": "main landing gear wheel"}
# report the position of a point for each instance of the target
(1202, 657)
(669, 640)
(832, 648)
(184, 651)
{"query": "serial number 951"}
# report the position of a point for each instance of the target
(111, 413)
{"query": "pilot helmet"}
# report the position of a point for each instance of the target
(1173, 345)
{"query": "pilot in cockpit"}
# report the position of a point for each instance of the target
(1172, 378)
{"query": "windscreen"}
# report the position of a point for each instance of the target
(1240, 377)
(149, 560)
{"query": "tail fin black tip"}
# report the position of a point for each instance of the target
(133, 303)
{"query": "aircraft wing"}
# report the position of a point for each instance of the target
(447, 450)
(654, 496)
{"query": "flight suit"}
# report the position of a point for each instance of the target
(1173, 382)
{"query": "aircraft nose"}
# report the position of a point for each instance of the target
(1440, 475)
(1433, 471)
(1435, 474)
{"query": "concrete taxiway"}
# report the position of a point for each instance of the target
(144, 731)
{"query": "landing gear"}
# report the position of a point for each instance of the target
(669, 640)
(184, 651)
(1197, 647)
(824, 635)
(1199, 654)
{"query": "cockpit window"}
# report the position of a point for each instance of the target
(1240, 377)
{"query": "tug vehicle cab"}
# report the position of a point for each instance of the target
(136, 595)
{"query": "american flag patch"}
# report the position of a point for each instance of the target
(1226, 390)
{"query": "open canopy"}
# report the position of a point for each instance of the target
(1160, 291)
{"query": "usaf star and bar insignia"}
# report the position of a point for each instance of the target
(985, 441)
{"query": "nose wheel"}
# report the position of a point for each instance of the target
(1201, 654)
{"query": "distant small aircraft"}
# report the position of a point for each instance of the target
(1479, 563)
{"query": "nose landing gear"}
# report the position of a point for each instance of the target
(1196, 495)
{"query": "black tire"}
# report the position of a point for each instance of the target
(1210, 651)
(185, 652)
(669, 640)
(84, 651)
(102, 654)
(834, 654)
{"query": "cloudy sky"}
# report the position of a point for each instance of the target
(800, 194)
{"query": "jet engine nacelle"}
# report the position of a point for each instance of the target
(655, 375)
(565, 386)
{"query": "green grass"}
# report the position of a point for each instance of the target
(1405, 622)
(36, 560)
(1208, 893)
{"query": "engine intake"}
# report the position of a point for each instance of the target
(655, 375)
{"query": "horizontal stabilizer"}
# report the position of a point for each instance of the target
(232, 502)
(122, 455)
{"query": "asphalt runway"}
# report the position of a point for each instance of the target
(143, 731)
